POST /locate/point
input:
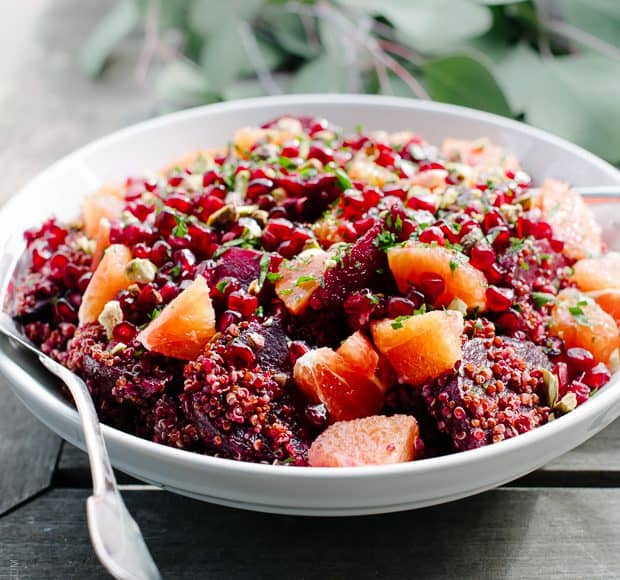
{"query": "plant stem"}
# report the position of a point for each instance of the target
(580, 36)
(255, 56)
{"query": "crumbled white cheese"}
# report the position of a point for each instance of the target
(141, 270)
(110, 316)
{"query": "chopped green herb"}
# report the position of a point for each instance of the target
(180, 230)
(274, 276)
(175, 271)
(524, 265)
(385, 240)
(398, 224)
(303, 279)
(286, 291)
(221, 286)
(228, 174)
(542, 298)
(343, 179)
(545, 257)
(453, 265)
(398, 321)
(286, 162)
(421, 310)
(265, 262)
(154, 313)
(579, 315)
(259, 312)
(374, 299)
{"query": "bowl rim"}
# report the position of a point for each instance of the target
(593, 407)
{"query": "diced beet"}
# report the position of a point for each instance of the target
(240, 263)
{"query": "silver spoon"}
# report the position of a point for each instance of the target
(115, 536)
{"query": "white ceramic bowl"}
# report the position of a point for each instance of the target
(311, 491)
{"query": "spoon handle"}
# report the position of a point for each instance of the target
(115, 536)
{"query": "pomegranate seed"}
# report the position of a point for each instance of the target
(482, 256)
(83, 281)
(492, 219)
(227, 318)
(140, 210)
(581, 390)
(321, 152)
(292, 185)
(499, 299)
(510, 321)
(494, 273)
(316, 415)
(432, 285)
(58, 262)
(39, 258)
(208, 204)
(202, 238)
(239, 354)
(362, 225)
(560, 370)
(428, 166)
(580, 358)
(148, 298)
(290, 150)
(288, 248)
(141, 250)
(160, 253)
(296, 349)
(396, 191)
(124, 332)
(168, 292)
(71, 276)
(258, 187)
(175, 180)
(433, 234)
(416, 297)
(597, 376)
(210, 177)
(179, 202)
(185, 258)
(427, 203)
(150, 185)
(65, 311)
(500, 236)
(242, 302)
(556, 245)
(280, 228)
(398, 306)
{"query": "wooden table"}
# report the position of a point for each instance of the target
(560, 522)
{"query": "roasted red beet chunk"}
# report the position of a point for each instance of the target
(497, 393)
(241, 413)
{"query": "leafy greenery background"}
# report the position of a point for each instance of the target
(552, 63)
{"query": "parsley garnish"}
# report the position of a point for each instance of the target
(180, 230)
(286, 162)
(398, 224)
(524, 265)
(286, 291)
(579, 315)
(259, 312)
(175, 270)
(274, 276)
(542, 298)
(421, 310)
(303, 279)
(265, 262)
(385, 240)
(453, 265)
(343, 179)
(398, 321)
(154, 313)
(221, 286)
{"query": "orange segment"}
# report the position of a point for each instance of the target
(184, 326)
(598, 273)
(376, 440)
(421, 347)
(107, 202)
(102, 241)
(350, 382)
(571, 219)
(410, 263)
(581, 322)
(480, 153)
(300, 277)
(107, 281)
(609, 301)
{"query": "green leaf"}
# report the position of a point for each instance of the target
(183, 83)
(211, 16)
(428, 23)
(288, 31)
(115, 26)
(224, 56)
(462, 80)
(572, 96)
(600, 18)
(321, 75)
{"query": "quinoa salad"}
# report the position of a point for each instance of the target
(314, 296)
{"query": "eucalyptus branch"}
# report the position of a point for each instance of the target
(151, 34)
(255, 56)
(582, 37)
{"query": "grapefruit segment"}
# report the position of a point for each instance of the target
(299, 278)
(350, 382)
(598, 273)
(102, 241)
(184, 326)
(609, 300)
(108, 280)
(376, 440)
(411, 263)
(421, 347)
(107, 202)
(571, 219)
(480, 153)
(581, 322)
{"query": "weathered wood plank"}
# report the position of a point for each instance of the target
(28, 452)
(509, 533)
(73, 470)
